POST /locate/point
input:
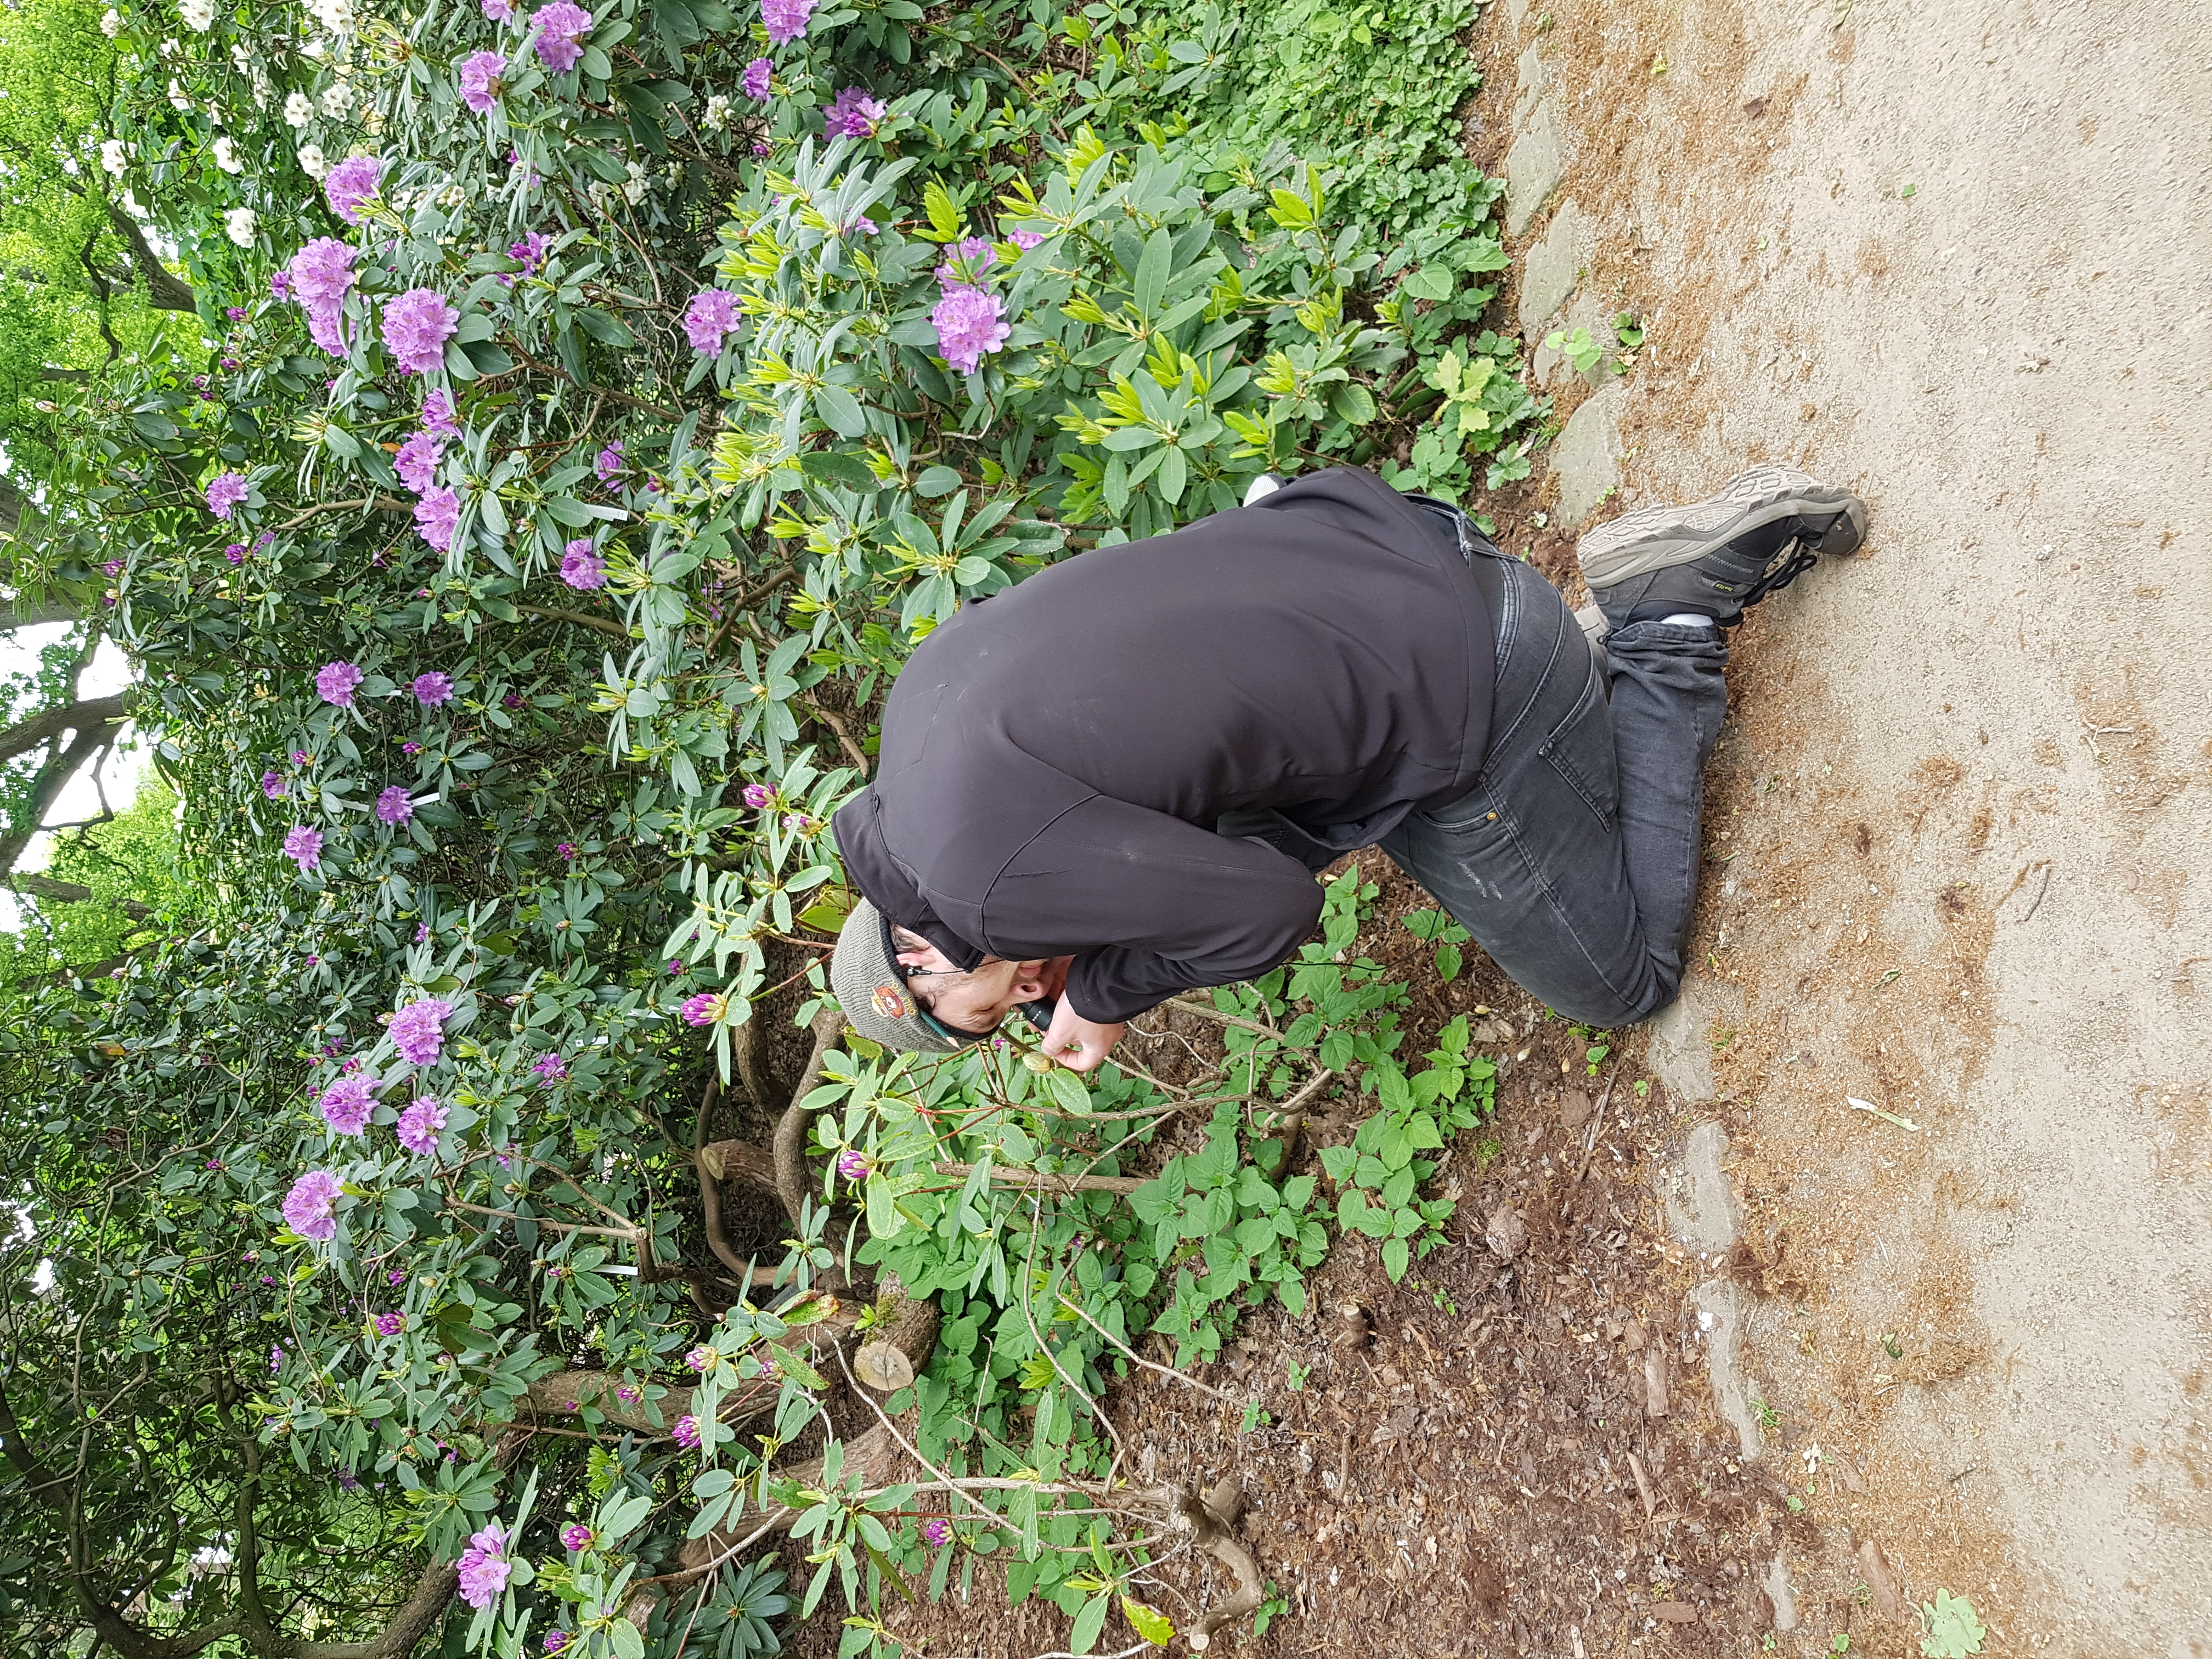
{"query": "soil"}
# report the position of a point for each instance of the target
(1956, 256)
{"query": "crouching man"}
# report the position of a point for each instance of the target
(1116, 781)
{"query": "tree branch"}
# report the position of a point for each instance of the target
(68, 893)
(577, 618)
(49, 723)
(790, 1144)
(165, 289)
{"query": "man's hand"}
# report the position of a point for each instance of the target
(1076, 1043)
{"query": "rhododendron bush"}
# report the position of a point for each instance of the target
(588, 411)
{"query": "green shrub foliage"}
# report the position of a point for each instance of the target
(583, 414)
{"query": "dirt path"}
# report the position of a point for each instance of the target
(1960, 256)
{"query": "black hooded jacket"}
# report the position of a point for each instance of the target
(1055, 761)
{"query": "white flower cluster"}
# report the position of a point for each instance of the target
(178, 96)
(312, 162)
(299, 109)
(111, 23)
(114, 156)
(198, 14)
(337, 99)
(717, 117)
(335, 15)
(640, 183)
(238, 225)
(226, 156)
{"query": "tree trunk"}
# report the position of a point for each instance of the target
(165, 289)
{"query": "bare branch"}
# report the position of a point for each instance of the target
(165, 289)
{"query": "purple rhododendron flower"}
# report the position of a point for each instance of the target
(304, 847)
(271, 785)
(576, 1536)
(608, 464)
(390, 1324)
(228, 490)
(392, 806)
(581, 567)
(438, 515)
(235, 552)
(851, 1165)
(420, 1123)
(320, 275)
(555, 1639)
(701, 1359)
(311, 1211)
(498, 10)
(853, 113)
(705, 1008)
(345, 1105)
(937, 1531)
(711, 314)
(416, 463)
(350, 182)
(335, 683)
(755, 79)
(529, 252)
(551, 1067)
(1024, 240)
(438, 415)
(416, 327)
(785, 20)
(969, 323)
(565, 849)
(418, 1031)
(969, 259)
(686, 1432)
(433, 688)
(484, 1567)
(561, 26)
(479, 70)
(236, 314)
(758, 795)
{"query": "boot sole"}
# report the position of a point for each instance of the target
(1657, 538)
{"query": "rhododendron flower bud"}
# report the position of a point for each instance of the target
(785, 20)
(416, 327)
(228, 490)
(561, 27)
(478, 80)
(438, 516)
(581, 567)
(419, 1124)
(705, 1009)
(711, 314)
(351, 183)
(969, 323)
(686, 1432)
(311, 1211)
(346, 1103)
(851, 1165)
(335, 683)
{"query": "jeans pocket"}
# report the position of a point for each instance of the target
(1580, 750)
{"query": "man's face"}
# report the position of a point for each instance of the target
(977, 1001)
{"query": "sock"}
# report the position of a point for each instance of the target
(1687, 619)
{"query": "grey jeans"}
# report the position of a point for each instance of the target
(1573, 861)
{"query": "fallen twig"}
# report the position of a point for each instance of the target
(1065, 1185)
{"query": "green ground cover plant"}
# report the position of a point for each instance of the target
(513, 496)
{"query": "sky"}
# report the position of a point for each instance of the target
(109, 673)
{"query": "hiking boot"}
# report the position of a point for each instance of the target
(1766, 528)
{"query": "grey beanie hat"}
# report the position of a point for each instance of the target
(872, 989)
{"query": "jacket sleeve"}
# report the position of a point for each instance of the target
(1160, 905)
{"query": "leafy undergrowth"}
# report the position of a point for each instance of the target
(1448, 1470)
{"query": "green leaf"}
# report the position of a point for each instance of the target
(1396, 1254)
(1151, 279)
(1351, 402)
(601, 326)
(1083, 1636)
(1068, 1091)
(1429, 283)
(943, 217)
(937, 481)
(836, 467)
(1148, 1622)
